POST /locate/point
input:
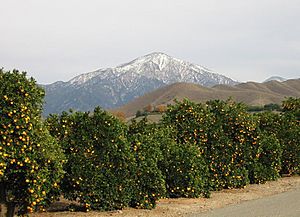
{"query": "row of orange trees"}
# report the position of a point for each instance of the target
(105, 164)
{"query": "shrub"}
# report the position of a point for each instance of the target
(98, 170)
(220, 130)
(184, 168)
(30, 159)
(292, 105)
(190, 121)
(289, 137)
(254, 108)
(267, 165)
(149, 183)
(270, 122)
(272, 107)
(285, 127)
(229, 144)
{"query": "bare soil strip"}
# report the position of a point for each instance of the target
(187, 207)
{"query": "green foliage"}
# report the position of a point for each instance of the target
(231, 141)
(220, 131)
(267, 164)
(272, 107)
(266, 107)
(289, 137)
(285, 127)
(292, 105)
(98, 170)
(149, 183)
(184, 168)
(30, 159)
(229, 147)
(270, 122)
(190, 121)
(255, 108)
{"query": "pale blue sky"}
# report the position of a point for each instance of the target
(59, 39)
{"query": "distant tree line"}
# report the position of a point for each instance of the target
(267, 107)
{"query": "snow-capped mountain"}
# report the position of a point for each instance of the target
(113, 87)
(275, 78)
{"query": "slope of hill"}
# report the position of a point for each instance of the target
(250, 93)
(113, 87)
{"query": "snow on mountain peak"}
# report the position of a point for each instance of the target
(275, 78)
(81, 79)
(158, 66)
(157, 58)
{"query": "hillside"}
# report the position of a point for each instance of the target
(250, 93)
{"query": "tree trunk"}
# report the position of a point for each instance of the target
(7, 209)
(10, 209)
(3, 208)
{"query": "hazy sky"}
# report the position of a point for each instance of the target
(59, 39)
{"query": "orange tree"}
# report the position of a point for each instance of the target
(191, 124)
(30, 159)
(231, 143)
(226, 135)
(149, 185)
(213, 129)
(267, 165)
(243, 150)
(190, 121)
(285, 127)
(180, 167)
(99, 160)
(289, 136)
(292, 105)
(183, 166)
(270, 122)
(269, 155)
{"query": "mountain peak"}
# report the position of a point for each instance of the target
(160, 66)
(155, 54)
(112, 87)
(275, 78)
(155, 57)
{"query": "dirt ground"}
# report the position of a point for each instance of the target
(184, 207)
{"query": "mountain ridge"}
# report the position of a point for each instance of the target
(113, 87)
